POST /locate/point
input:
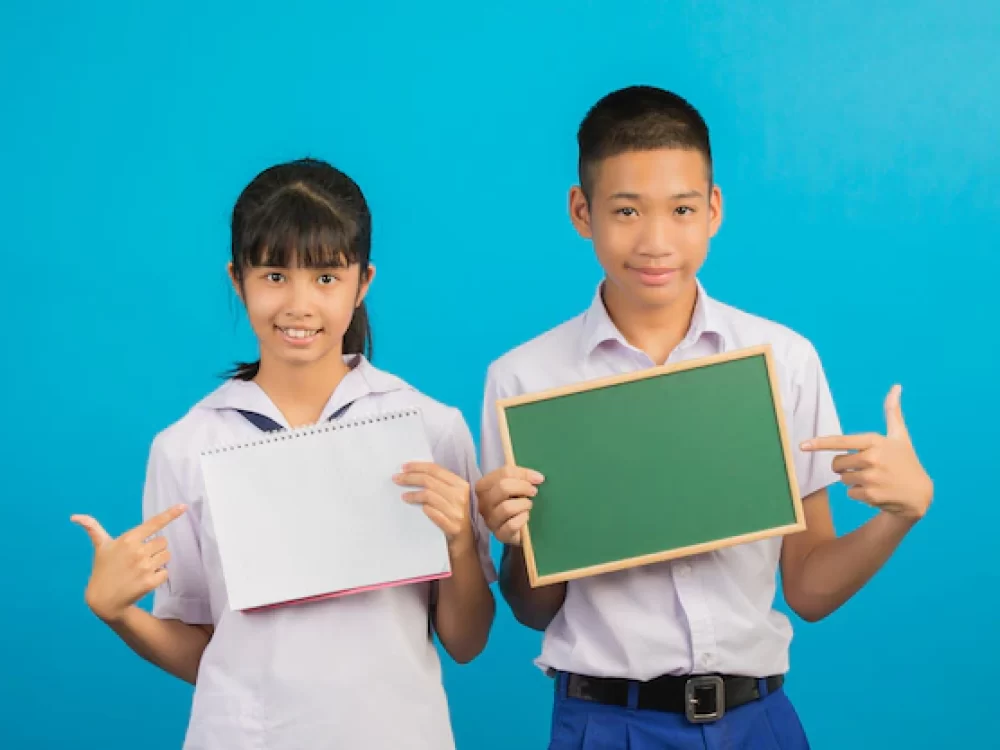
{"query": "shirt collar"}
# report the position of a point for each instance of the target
(363, 380)
(598, 327)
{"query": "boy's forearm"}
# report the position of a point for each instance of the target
(172, 645)
(837, 569)
(533, 607)
(463, 612)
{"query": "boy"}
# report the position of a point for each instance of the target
(689, 653)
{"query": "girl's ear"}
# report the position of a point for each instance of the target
(235, 281)
(364, 285)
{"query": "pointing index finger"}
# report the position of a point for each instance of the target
(839, 443)
(159, 521)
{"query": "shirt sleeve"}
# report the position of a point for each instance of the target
(184, 596)
(813, 415)
(457, 453)
(491, 446)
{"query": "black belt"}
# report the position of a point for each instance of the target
(702, 698)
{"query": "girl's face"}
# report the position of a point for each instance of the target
(300, 315)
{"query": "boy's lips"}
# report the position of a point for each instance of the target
(654, 275)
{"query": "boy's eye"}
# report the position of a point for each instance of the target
(684, 210)
(626, 211)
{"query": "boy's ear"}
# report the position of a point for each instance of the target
(234, 281)
(579, 212)
(715, 210)
(365, 285)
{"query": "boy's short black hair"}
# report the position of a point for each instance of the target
(639, 118)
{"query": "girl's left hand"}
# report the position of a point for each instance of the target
(444, 496)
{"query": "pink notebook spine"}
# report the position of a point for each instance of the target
(348, 592)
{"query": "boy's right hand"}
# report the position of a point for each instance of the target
(127, 568)
(505, 500)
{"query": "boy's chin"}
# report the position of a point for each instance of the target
(646, 296)
(658, 299)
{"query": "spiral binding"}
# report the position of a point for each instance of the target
(322, 427)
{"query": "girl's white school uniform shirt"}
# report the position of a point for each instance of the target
(359, 671)
(712, 613)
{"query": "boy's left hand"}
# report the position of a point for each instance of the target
(444, 496)
(883, 471)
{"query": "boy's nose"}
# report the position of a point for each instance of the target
(657, 240)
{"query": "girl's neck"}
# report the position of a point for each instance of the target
(301, 393)
(656, 331)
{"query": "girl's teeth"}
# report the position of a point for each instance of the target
(297, 333)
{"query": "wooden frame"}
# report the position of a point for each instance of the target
(653, 372)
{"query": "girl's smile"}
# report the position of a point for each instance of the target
(300, 337)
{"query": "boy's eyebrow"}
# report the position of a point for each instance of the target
(675, 197)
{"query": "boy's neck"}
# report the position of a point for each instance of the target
(655, 330)
(301, 393)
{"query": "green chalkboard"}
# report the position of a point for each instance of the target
(660, 464)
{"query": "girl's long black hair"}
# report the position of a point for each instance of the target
(309, 214)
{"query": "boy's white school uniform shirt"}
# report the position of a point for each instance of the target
(359, 671)
(712, 613)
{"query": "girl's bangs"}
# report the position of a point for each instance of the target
(295, 231)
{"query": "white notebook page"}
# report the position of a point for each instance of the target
(314, 511)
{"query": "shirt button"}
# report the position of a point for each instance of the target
(684, 570)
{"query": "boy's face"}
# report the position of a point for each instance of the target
(650, 215)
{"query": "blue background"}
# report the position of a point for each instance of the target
(855, 143)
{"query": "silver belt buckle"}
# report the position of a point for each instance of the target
(695, 690)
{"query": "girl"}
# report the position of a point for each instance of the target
(358, 671)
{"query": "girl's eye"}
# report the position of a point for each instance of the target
(326, 279)
(275, 277)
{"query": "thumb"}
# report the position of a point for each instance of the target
(895, 426)
(98, 536)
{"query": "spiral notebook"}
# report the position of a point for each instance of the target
(313, 513)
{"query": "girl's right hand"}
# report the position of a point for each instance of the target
(127, 568)
(505, 500)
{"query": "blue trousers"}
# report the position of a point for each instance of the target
(766, 724)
